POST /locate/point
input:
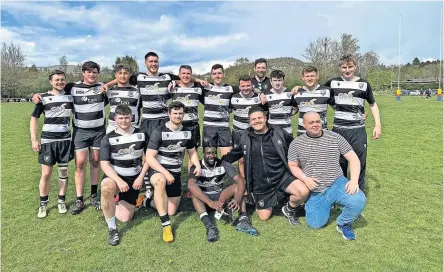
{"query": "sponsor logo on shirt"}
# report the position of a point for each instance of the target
(59, 108)
(129, 150)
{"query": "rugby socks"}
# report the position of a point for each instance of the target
(93, 189)
(290, 208)
(165, 220)
(111, 222)
(44, 200)
(206, 220)
(80, 198)
(61, 198)
(147, 202)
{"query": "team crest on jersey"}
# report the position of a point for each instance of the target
(289, 95)
(196, 90)
(261, 203)
(50, 99)
(95, 90)
(219, 170)
(185, 133)
(162, 77)
(139, 136)
(46, 158)
(279, 142)
(323, 92)
(339, 83)
(265, 86)
(361, 85)
(84, 98)
(130, 93)
(237, 100)
(256, 100)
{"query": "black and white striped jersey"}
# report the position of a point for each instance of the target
(190, 97)
(124, 152)
(316, 100)
(211, 181)
(240, 106)
(217, 105)
(280, 107)
(89, 105)
(171, 146)
(57, 110)
(130, 96)
(154, 92)
(263, 85)
(349, 101)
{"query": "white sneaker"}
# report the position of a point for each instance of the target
(61, 205)
(42, 211)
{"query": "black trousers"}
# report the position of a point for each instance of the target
(357, 138)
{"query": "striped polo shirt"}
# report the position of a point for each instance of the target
(318, 157)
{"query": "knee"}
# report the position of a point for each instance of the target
(359, 199)
(159, 182)
(264, 216)
(315, 222)
(125, 218)
(94, 163)
(80, 165)
(107, 189)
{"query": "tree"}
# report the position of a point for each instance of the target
(416, 61)
(348, 45)
(323, 54)
(63, 64)
(33, 69)
(241, 61)
(129, 61)
(12, 64)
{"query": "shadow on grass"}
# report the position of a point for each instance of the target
(360, 222)
(140, 215)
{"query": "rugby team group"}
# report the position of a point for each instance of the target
(306, 173)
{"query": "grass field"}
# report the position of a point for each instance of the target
(401, 230)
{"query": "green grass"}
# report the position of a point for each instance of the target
(401, 231)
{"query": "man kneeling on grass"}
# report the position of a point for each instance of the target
(313, 158)
(121, 155)
(208, 193)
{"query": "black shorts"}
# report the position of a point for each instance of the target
(217, 136)
(56, 152)
(275, 197)
(131, 195)
(149, 125)
(195, 133)
(172, 190)
(86, 138)
(236, 135)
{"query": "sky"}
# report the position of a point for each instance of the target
(201, 34)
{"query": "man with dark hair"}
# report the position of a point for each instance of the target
(216, 97)
(241, 103)
(189, 93)
(280, 103)
(350, 93)
(165, 156)
(208, 192)
(123, 94)
(312, 97)
(121, 157)
(55, 145)
(314, 159)
(267, 175)
(88, 130)
(260, 80)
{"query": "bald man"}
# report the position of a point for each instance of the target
(313, 158)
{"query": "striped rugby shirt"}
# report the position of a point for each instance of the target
(89, 105)
(240, 106)
(130, 96)
(57, 110)
(349, 101)
(190, 97)
(316, 100)
(212, 179)
(217, 105)
(154, 93)
(318, 157)
(124, 152)
(280, 107)
(171, 146)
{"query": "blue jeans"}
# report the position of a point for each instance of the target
(318, 205)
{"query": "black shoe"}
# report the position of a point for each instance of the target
(245, 226)
(95, 202)
(78, 208)
(212, 233)
(113, 237)
(291, 215)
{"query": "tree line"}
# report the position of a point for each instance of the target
(324, 53)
